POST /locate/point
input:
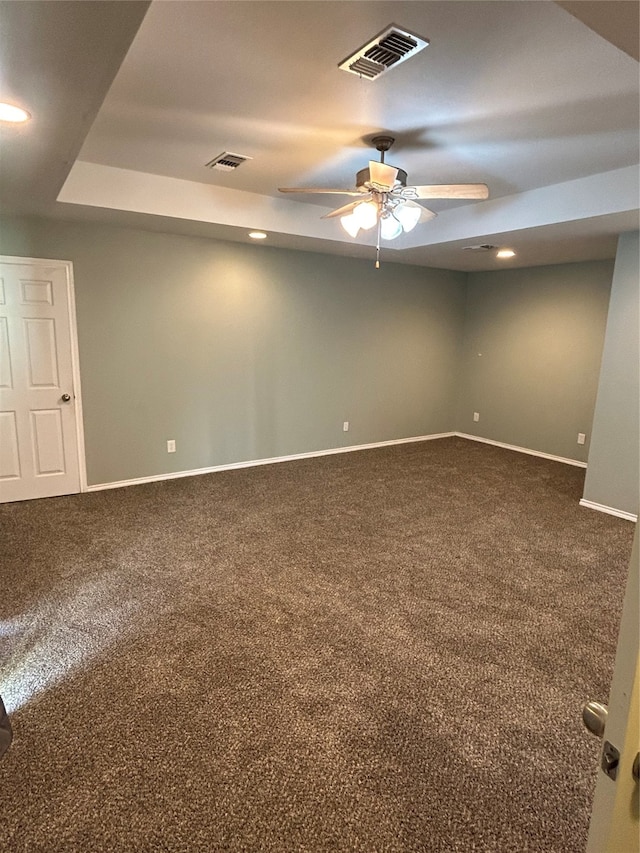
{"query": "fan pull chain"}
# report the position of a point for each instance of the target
(378, 243)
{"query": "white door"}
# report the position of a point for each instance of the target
(615, 819)
(40, 435)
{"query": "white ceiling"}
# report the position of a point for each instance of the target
(131, 100)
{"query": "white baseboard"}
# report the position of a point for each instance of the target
(619, 513)
(576, 462)
(254, 462)
(610, 510)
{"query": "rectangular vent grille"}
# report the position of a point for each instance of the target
(388, 48)
(227, 162)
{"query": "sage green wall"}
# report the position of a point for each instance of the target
(531, 355)
(613, 475)
(245, 352)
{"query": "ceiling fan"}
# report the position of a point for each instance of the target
(385, 200)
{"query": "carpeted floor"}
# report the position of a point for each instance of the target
(378, 651)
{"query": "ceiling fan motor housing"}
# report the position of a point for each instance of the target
(363, 177)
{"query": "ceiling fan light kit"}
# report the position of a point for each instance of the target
(390, 227)
(364, 215)
(350, 225)
(408, 214)
(385, 199)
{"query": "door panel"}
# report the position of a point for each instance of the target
(6, 378)
(42, 359)
(34, 292)
(48, 443)
(39, 436)
(9, 457)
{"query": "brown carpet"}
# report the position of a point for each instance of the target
(378, 651)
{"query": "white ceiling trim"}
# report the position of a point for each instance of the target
(112, 188)
(585, 198)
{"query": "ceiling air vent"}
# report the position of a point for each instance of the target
(227, 162)
(484, 247)
(390, 47)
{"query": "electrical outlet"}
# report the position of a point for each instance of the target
(476, 416)
(345, 426)
(581, 438)
(171, 445)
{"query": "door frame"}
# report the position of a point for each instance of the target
(75, 352)
(611, 817)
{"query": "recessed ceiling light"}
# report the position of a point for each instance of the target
(505, 253)
(257, 235)
(483, 247)
(9, 112)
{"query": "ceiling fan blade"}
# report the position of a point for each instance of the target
(447, 191)
(382, 176)
(347, 208)
(318, 190)
(426, 215)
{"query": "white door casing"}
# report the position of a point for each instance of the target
(41, 438)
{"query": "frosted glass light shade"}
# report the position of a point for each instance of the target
(393, 219)
(390, 228)
(350, 224)
(366, 214)
(408, 216)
